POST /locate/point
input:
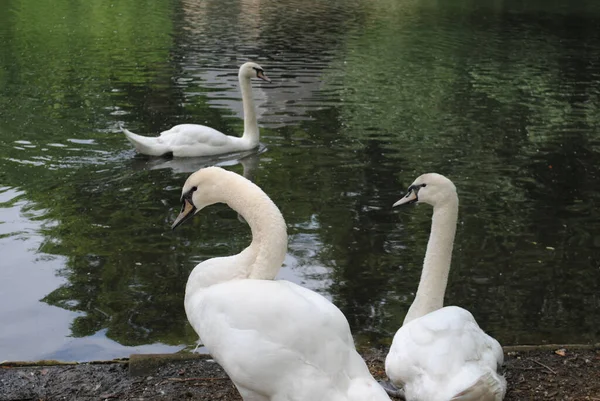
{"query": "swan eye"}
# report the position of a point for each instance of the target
(423, 185)
(259, 72)
(189, 193)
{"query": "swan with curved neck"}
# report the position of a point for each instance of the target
(189, 140)
(440, 353)
(275, 339)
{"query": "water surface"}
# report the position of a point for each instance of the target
(500, 96)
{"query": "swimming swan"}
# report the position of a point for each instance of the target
(276, 340)
(189, 140)
(440, 353)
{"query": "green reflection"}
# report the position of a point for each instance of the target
(513, 122)
(500, 97)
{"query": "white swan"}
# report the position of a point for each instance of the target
(440, 353)
(276, 340)
(189, 140)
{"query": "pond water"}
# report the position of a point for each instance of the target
(501, 96)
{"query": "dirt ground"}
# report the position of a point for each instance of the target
(547, 374)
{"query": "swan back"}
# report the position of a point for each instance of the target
(445, 354)
(283, 341)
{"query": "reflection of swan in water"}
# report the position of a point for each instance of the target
(193, 140)
(248, 159)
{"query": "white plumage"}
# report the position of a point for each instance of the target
(440, 353)
(276, 340)
(190, 140)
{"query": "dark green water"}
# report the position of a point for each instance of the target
(503, 97)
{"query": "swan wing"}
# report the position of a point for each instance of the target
(193, 134)
(441, 354)
(189, 140)
(275, 338)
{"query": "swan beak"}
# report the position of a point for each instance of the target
(187, 211)
(262, 76)
(410, 197)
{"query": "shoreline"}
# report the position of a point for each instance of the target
(534, 372)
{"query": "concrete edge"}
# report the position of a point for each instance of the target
(548, 347)
(143, 364)
(139, 364)
(54, 362)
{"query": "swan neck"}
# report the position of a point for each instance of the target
(269, 233)
(250, 123)
(436, 266)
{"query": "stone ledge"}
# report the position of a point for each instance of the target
(140, 364)
(549, 347)
(143, 364)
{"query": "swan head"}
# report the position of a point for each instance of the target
(431, 188)
(251, 70)
(202, 188)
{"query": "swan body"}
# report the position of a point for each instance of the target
(440, 353)
(276, 340)
(191, 140)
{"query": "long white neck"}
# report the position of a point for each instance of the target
(269, 232)
(263, 258)
(436, 266)
(250, 124)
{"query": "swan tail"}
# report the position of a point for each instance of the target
(146, 145)
(489, 387)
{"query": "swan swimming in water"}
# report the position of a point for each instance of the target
(440, 353)
(190, 140)
(276, 340)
